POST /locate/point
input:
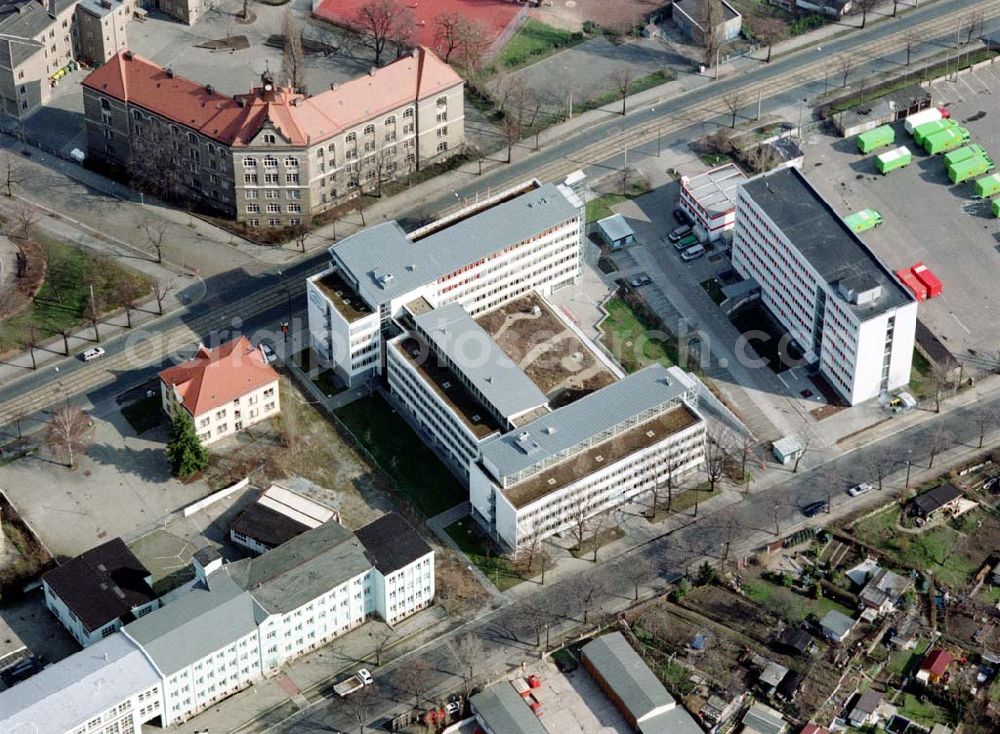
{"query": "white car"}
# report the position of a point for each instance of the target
(859, 489)
(268, 351)
(91, 354)
(692, 253)
(365, 676)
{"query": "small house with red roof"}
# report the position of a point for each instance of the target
(224, 390)
(934, 666)
(811, 728)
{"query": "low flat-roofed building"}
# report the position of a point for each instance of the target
(762, 719)
(97, 592)
(111, 681)
(615, 232)
(710, 198)
(500, 710)
(277, 516)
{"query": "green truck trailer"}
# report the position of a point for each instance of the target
(877, 138)
(946, 140)
(995, 206)
(986, 187)
(893, 159)
(964, 153)
(921, 133)
(863, 220)
(969, 169)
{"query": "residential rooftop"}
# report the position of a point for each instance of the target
(491, 375)
(387, 263)
(342, 295)
(818, 232)
(598, 456)
(448, 387)
(392, 543)
(571, 429)
(505, 712)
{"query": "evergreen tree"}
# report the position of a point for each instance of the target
(185, 452)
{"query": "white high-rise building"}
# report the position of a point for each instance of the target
(524, 239)
(843, 307)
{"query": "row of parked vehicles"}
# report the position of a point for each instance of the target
(683, 238)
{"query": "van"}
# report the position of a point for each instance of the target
(685, 242)
(683, 231)
(91, 354)
(692, 253)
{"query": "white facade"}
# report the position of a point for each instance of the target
(125, 717)
(75, 627)
(862, 349)
(710, 198)
(226, 420)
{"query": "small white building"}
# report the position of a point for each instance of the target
(615, 232)
(224, 390)
(710, 199)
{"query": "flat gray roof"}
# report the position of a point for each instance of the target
(837, 622)
(615, 227)
(638, 688)
(821, 236)
(646, 392)
(717, 188)
(473, 353)
(68, 693)
(505, 712)
(387, 264)
(301, 569)
(764, 720)
(675, 721)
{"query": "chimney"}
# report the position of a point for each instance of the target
(371, 71)
(170, 72)
(209, 88)
(206, 561)
(129, 55)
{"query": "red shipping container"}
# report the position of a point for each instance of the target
(910, 281)
(944, 112)
(534, 681)
(927, 277)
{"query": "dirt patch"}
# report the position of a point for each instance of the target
(617, 15)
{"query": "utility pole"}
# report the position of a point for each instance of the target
(717, 52)
(760, 98)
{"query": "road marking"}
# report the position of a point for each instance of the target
(961, 324)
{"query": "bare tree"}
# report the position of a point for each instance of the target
(155, 231)
(447, 34)
(538, 617)
(710, 18)
(986, 419)
(716, 456)
(65, 333)
(970, 22)
(26, 217)
(768, 31)
(529, 544)
(940, 377)
(911, 39)
(942, 440)
(92, 313)
(413, 676)
(293, 58)
(70, 432)
(585, 590)
(382, 23)
(127, 292)
(473, 46)
(382, 639)
(11, 172)
(864, 7)
(361, 704)
(877, 465)
(580, 511)
(806, 441)
(545, 562)
(519, 108)
(466, 653)
(623, 80)
(744, 445)
(734, 102)
(160, 292)
(598, 524)
(31, 340)
(845, 65)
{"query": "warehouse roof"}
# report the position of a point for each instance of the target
(675, 721)
(505, 712)
(387, 263)
(820, 235)
(763, 719)
(647, 392)
(471, 351)
(305, 567)
(196, 624)
(621, 668)
(77, 688)
(392, 543)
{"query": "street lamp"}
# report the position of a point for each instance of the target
(286, 327)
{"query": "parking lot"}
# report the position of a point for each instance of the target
(929, 220)
(573, 702)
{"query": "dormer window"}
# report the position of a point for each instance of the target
(270, 138)
(369, 129)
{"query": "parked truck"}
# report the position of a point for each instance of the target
(969, 169)
(877, 138)
(946, 140)
(917, 119)
(893, 159)
(964, 153)
(921, 133)
(986, 186)
(355, 683)
(863, 220)
(931, 281)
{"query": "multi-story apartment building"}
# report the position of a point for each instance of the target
(843, 307)
(527, 238)
(238, 623)
(274, 157)
(97, 592)
(224, 390)
(583, 459)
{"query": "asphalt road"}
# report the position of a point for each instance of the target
(508, 634)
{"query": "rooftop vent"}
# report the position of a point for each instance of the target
(240, 102)
(170, 72)
(599, 459)
(446, 385)
(536, 310)
(650, 434)
(489, 379)
(476, 418)
(210, 89)
(550, 430)
(552, 481)
(411, 268)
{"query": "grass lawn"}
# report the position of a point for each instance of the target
(921, 377)
(922, 712)
(63, 298)
(600, 207)
(500, 571)
(144, 414)
(626, 337)
(904, 662)
(933, 550)
(402, 454)
(533, 42)
(788, 604)
(995, 691)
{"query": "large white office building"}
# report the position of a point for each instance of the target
(238, 623)
(843, 307)
(527, 238)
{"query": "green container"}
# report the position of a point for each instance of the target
(921, 133)
(877, 138)
(946, 140)
(986, 187)
(969, 169)
(863, 220)
(963, 154)
(893, 159)
(995, 206)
